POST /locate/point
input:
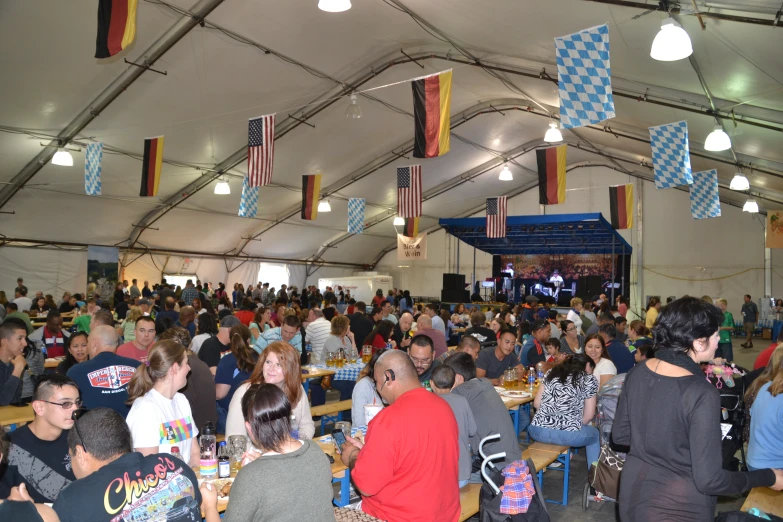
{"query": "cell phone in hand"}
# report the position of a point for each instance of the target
(339, 439)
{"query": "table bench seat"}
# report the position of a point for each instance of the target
(331, 412)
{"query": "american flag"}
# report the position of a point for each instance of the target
(496, 217)
(260, 150)
(409, 191)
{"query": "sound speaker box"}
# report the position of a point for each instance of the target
(454, 281)
(454, 296)
(590, 287)
(496, 268)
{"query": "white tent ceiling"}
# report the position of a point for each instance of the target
(214, 83)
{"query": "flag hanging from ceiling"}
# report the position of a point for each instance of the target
(355, 215)
(431, 115)
(409, 191)
(584, 77)
(497, 209)
(621, 206)
(116, 26)
(260, 150)
(92, 169)
(551, 175)
(311, 188)
(411, 227)
(670, 154)
(705, 196)
(152, 163)
(248, 203)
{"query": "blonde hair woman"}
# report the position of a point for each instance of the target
(575, 314)
(128, 327)
(160, 417)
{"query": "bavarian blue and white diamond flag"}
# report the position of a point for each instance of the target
(670, 154)
(92, 169)
(584, 77)
(705, 196)
(248, 203)
(355, 215)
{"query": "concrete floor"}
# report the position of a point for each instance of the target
(606, 511)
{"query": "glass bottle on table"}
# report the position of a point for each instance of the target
(208, 463)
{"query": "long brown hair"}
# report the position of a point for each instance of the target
(160, 358)
(772, 373)
(246, 356)
(604, 352)
(640, 328)
(289, 360)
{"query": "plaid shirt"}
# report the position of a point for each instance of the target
(189, 294)
(518, 489)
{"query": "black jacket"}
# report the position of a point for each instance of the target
(361, 326)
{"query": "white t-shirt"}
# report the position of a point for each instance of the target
(604, 367)
(155, 420)
(316, 334)
(195, 344)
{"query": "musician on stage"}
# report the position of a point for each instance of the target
(557, 280)
(508, 282)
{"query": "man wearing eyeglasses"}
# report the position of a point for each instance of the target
(423, 356)
(39, 457)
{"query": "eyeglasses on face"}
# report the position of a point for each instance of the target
(66, 405)
(421, 362)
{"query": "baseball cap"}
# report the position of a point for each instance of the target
(229, 321)
(144, 301)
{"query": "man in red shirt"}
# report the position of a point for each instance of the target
(407, 467)
(145, 336)
(762, 360)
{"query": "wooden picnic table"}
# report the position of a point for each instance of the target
(53, 362)
(766, 500)
(315, 373)
(10, 415)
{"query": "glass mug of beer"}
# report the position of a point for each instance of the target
(366, 353)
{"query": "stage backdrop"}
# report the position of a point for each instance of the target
(102, 270)
(570, 266)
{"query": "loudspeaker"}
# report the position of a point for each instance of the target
(454, 281)
(496, 267)
(450, 295)
(590, 287)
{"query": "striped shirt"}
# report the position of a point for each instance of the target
(316, 334)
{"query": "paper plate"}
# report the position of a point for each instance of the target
(516, 394)
(218, 483)
(499, 389)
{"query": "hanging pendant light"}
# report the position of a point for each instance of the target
(739, 182)
(671, 43)
(717, 141)
(505, 174)
(553, 135)
(324, 206)
(222, 188)
(398, 221)
(353, 110)
(334, 6)
(751, 206)
(63, 158)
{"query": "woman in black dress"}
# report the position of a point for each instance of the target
(669, 415)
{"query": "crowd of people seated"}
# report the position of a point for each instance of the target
(144, 372)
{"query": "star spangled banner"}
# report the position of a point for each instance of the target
(671, 155)
(356, 215)
(705, 196)
(496, 217)
(409, 191)
(584, 77)
(260, 150)
(248, 203)
(92, 169)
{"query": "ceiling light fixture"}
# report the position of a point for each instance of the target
(334, 6)
(505, 174)
(63, 158)
(324, 206)
(398, 221)
(353, 110)
(717, 141)
(739, 182)
(671, 43)
(222, 188)
(553, 135)
(751, 206)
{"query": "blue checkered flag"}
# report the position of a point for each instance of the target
(248, 203)
(355, 215)
(705, 196)
(670, 155)
(92, 169)
(584, 77)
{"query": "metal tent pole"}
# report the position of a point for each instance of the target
(458, 242)
(622, 279)
(473, 279)
(614, 268)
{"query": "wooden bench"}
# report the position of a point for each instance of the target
(469, 501)
(548, 454)
(331, 412)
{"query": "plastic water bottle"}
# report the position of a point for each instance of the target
(531, 379)
(224, 463)
(208, 463)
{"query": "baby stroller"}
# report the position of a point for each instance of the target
(603, 479)
(732, 403)
(491, 495)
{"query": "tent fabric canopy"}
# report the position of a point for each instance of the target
(555, 234)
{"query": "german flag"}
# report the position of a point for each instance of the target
(431, 114)
(551, 175)
(116, 26)
(411, 227)
(621, 206)
(150, 172)
(311, 187)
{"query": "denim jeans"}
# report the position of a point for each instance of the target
(725, 350)
(587, 437)
(221, 423)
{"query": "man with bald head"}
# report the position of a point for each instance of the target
(424, 327)
(402, 331)
(103, 380)
(407, 467)
(187, 320)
